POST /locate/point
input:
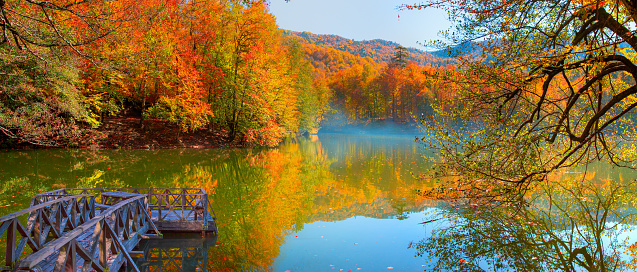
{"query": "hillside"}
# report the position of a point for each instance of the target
(378, 50)
(327, 62)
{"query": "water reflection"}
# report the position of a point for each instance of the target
(183, 252)
(260, 196)
(263, 197)
(350, 200)
(576, 224)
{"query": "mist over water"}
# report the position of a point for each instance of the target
(325, 202)
(371, 127)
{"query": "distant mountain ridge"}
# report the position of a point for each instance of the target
(378, 50)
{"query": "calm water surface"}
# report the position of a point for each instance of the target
(329, 203)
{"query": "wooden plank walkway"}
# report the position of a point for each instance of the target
(45, 221)
(48, 263)
(96, 229)
(111, 236)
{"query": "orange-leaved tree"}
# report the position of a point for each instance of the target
(555, 87)
(154, 63)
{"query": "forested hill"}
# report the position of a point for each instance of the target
(378, 50)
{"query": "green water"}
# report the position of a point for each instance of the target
(329, 203)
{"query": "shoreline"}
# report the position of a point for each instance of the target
(127, 133)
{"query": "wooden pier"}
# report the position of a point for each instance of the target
(97, 229)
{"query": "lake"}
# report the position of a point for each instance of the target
(341, 202)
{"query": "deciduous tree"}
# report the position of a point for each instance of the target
(554, 88)
(41, 43)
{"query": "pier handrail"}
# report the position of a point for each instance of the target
(54, 217)
(117, 229)
(191, 201)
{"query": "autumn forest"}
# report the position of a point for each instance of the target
(72, 71)
(516, 143)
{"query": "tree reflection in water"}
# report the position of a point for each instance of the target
(259, 195)
(573, 225)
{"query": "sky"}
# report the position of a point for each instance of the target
(361, 20)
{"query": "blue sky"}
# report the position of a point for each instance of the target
(361, 20)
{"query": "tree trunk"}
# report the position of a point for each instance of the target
(141, 115)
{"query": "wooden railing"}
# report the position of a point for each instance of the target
(54, 217)
(179, 204)
(115, 232)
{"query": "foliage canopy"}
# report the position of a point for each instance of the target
(554, 88)
(218, 64)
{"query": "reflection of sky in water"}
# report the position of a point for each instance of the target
(627, 233)
(357, 243)
(329, 187)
